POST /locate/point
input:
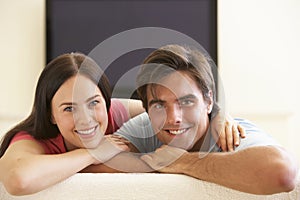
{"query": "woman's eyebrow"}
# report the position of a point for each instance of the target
(72, 103)
(93, 97)
(67, 104)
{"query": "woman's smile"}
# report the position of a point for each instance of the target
(87, 133)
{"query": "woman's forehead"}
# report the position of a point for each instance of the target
(77, 88)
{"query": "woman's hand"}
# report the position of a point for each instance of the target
(109, 146)
(227, 132)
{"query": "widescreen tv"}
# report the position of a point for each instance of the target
(81, 25)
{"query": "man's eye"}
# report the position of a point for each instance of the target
(158, 106)
(69, 109)
(186, 102)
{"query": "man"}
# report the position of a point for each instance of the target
(178, 92)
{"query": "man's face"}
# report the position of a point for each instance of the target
(178, 111)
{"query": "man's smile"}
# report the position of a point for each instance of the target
(178, 131)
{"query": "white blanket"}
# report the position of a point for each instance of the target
(142, 186)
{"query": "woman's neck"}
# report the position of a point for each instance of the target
(69, 146)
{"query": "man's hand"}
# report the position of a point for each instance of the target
(165, 159)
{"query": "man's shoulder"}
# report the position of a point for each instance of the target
(247, 124)
(255, 136)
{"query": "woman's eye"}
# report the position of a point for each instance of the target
(93, 103)
(69, 109)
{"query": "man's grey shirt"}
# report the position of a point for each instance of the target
(140, 133)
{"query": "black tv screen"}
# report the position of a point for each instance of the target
(81, 25)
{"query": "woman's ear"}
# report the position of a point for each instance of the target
(52, 120)
(210, 102)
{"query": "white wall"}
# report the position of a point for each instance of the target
(258, 60)
(259, 46)
(22, 56)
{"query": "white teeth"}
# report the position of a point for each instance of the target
(86, 132)
(177, 132)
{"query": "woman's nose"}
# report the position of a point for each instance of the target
(84, 117)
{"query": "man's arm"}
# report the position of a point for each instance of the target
(257, 170)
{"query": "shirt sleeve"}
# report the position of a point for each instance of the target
(22, 135)
(139, 132)
(51, 146)
(117, 116)
(254, 136)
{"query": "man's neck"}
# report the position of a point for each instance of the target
(203, 144)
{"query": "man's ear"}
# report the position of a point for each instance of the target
(210, 102)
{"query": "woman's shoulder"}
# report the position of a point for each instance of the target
(50, 146)
(22, 135)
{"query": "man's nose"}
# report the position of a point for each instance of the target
(174, 114)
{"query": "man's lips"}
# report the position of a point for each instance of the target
(176, 131)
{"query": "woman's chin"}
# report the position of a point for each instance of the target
(93, 142)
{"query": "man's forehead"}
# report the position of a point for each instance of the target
(177, 83)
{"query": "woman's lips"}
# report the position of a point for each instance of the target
(87, 133)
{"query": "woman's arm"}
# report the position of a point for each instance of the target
(25, 169)
(226, 132)
(122, 162)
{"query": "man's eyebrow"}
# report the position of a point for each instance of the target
(189, 96)
(154, 101)
(72, 103)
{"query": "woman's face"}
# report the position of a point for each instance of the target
(79, 111)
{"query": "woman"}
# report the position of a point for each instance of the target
(64, 133)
